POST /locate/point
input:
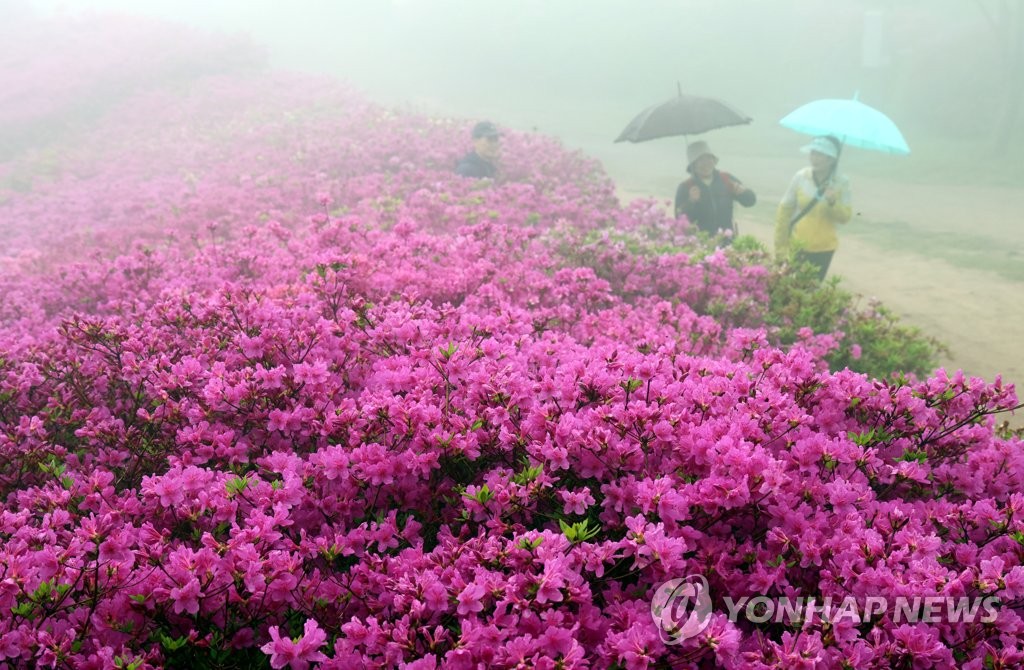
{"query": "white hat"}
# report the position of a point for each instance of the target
(696, 150)
(823, 145)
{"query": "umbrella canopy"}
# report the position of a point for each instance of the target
(682, 115)
(850, 121)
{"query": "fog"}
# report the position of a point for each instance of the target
(946, 71)
(582, 69)
(936, 66)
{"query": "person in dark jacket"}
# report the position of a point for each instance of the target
(706, 198)
(481, 162)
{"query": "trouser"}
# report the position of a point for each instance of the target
(819, 259)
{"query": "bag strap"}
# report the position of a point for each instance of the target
(803, 212)
(824, 185)
(814, 201)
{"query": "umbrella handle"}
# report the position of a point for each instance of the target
(835, 164)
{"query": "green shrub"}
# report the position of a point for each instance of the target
(874, 342)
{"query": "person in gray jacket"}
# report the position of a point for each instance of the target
(481, 162)
(707, 197)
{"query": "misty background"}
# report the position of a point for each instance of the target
(944, 70)
(936, 234)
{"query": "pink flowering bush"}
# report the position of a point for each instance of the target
(277, 389)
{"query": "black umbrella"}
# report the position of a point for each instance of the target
(682, 115)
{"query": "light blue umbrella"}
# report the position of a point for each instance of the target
(851, 122)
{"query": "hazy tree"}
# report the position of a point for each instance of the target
(1007, 20)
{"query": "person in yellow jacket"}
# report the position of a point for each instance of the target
(817, 199)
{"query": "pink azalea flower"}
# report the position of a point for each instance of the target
(186, 598)
(469, 599)
(296, 654)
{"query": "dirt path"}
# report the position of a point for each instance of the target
(976, 311)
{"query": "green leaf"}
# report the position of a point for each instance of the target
(54, 466)
(528, 544)
(862, 439)
(578, 532)
(42, 592)
(24, 610)
(631, 384)
(236, 485)
(483, 496)
(124, 662)
(920, 456)
(528, 475)
(172, 644)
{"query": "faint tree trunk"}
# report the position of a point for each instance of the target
(1013, 24)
